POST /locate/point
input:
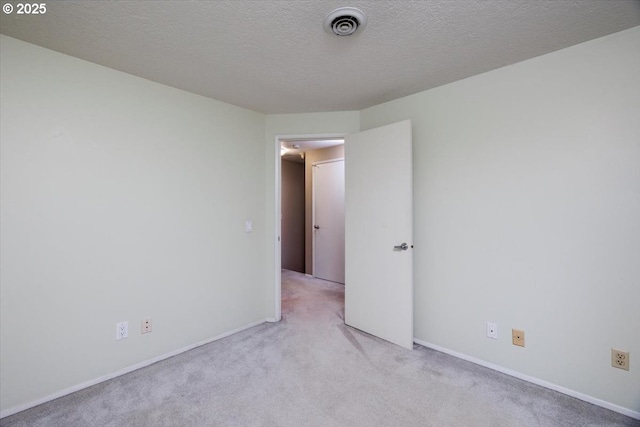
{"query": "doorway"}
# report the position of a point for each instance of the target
(378, 236)
(309, 148)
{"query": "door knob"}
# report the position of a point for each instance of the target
(317, 227)
(402, 247)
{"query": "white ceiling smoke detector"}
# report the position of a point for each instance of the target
(345, 21)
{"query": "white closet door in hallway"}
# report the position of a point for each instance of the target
(328, 220)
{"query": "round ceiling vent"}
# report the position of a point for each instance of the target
(345, 21)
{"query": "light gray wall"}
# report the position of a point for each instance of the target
(527, 213)
(329, 153)
(120, 199)
(293, 213)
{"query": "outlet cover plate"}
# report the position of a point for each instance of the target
(517, 336)
(146, 325)
(122, 330)
(492, 330)
(620, 359)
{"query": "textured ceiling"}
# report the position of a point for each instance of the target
(275, 57)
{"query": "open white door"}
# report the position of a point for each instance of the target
(379, 233)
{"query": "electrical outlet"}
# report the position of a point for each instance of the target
(146, 325)
(620, 359)
(492, 330)
(122, 330)
(517, 337)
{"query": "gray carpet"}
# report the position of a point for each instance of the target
(311, 370)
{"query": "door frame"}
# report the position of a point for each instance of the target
(278, 210)
(313, 210)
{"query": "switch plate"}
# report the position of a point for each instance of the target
(248, 226)
(492, 330)
(122, 330)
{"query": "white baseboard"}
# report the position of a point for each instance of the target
(537, 381)
(126, 370)
(533, 380)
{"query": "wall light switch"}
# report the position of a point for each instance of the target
(248, 226)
